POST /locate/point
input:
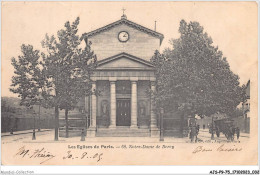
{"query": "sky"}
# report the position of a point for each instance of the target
(231, 25)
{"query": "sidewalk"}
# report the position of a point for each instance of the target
(204, 135)
(5, 134)
(242, 134)
(48, 137)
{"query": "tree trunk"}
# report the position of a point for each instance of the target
(67, 123)
(212, 128)
(56, 137)
(181, 125)
(246, 129)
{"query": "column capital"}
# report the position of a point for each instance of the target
(133, 79)
(93, 78)
(112, 79)
(112, 82)
(94, 84)
(152, 79)
(93, 87)
(152, 83)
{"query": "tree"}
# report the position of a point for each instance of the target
(27, 80)
(193, 76)
(64, 72)
(67, 68)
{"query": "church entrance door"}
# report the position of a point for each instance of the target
(123, 112)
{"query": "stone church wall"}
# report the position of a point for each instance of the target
(143, 104)
(103, 103)
(140, 44)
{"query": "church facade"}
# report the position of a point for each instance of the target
(123, 76)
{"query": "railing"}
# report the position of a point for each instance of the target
(174, 126)
(25, 123)
(73, 122)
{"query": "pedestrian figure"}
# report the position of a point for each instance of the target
(217, 131)
(204, 126)
(33, 136)
(210, 129)
(82, 135)
(190, 131)
(238, 132)
(233, 132)
(197, 133)
(193, 133)
(198, 128)
(224, 131)
(229, 133)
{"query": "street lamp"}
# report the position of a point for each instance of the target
(33, 136)
(86, 121)
(161, 124)
(39, 123)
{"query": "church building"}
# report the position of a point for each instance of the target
(123, 76)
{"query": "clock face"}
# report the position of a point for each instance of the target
(123, 36)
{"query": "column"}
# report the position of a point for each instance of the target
(87, 109)
(134, 104)
(86, 104)
(94, 106)
(112, 104)
(154, 128)
(153, 115)
(91, 132)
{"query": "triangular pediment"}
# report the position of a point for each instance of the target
(124, 61)
(128, 23)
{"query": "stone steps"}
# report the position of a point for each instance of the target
(122, 132)
(108, 132)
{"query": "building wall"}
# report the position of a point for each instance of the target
(241, 122)
(140, 44)
(143, 104)
(103, 101)
(123, 73)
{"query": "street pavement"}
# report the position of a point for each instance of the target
(205, 137)
(47, 136)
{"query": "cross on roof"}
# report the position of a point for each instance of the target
(123, 10)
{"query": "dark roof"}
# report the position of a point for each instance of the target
(128, 23)
(131, 57)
